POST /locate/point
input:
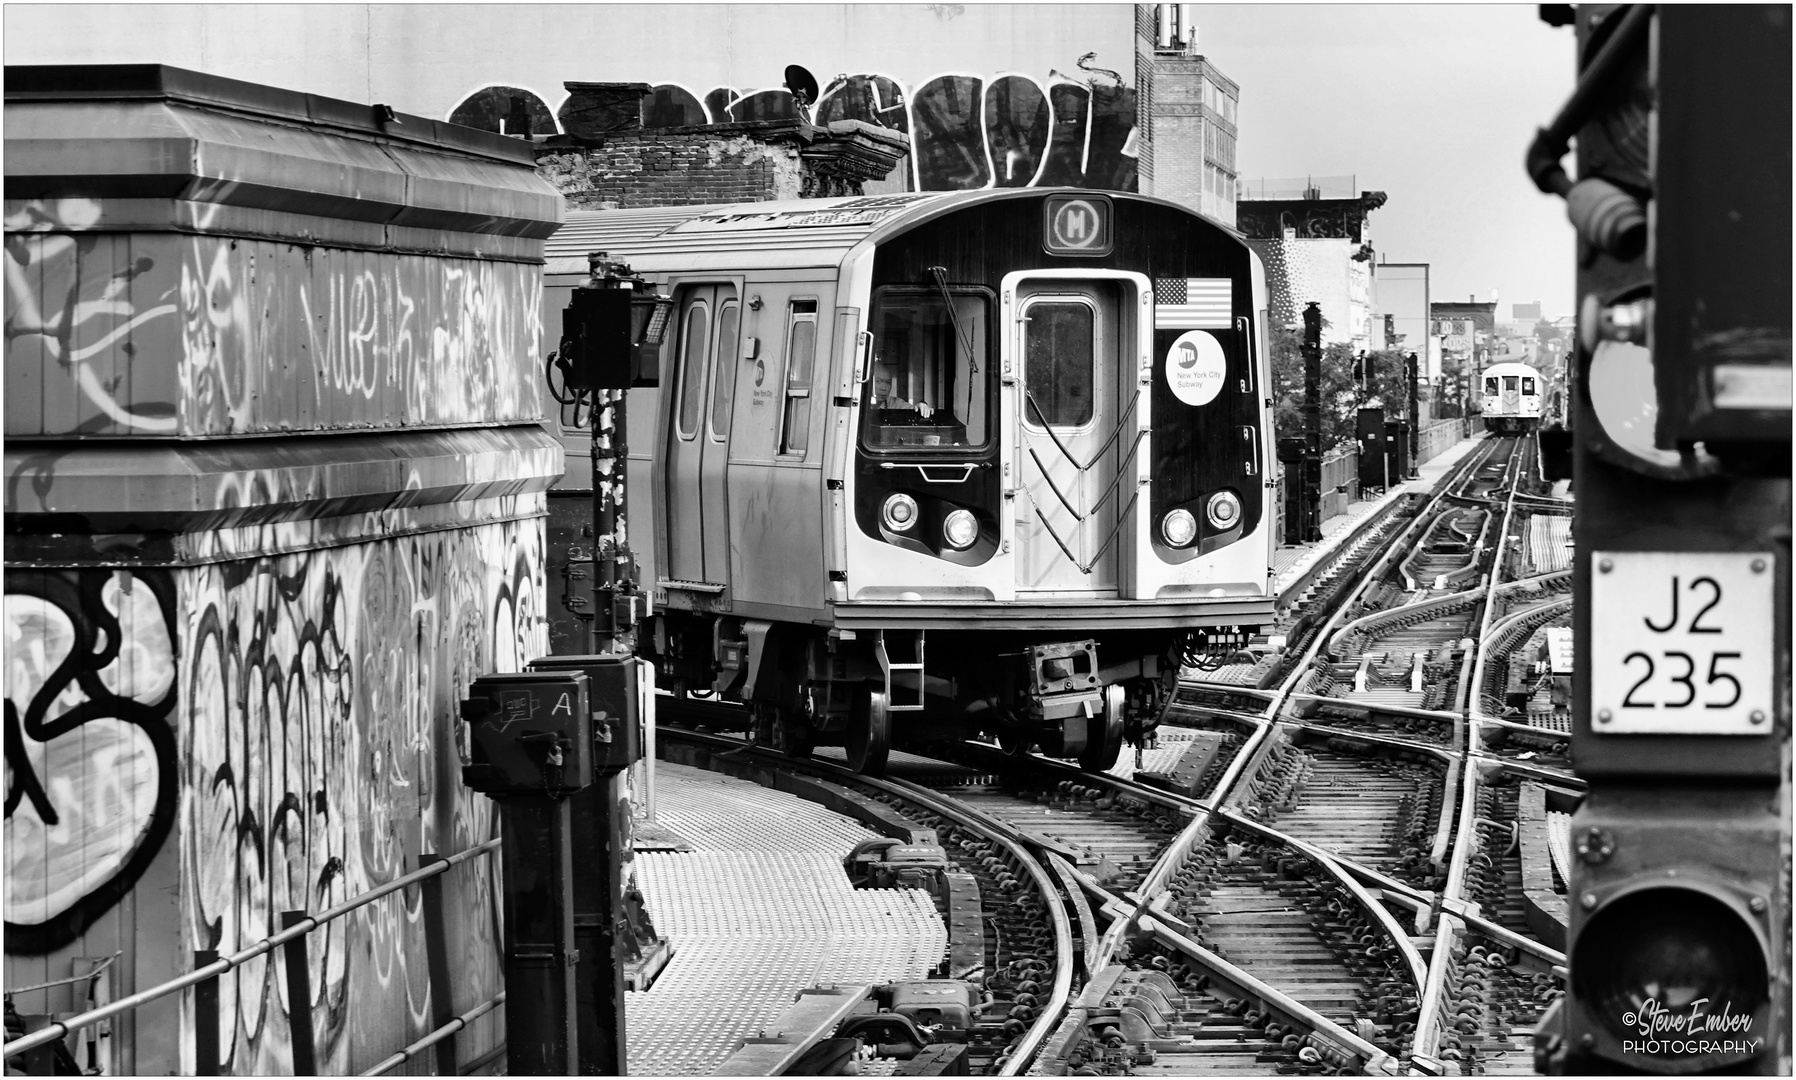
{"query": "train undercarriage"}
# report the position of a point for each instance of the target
(871, 691)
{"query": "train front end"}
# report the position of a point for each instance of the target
(1053, 481)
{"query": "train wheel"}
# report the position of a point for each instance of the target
(793, 734)
(869, 735)
(1014, 741)
(1102, 751)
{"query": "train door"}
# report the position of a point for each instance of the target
(1065, 353)
(698, 543)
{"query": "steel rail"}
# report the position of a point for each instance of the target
(1011, 840)
(59, 1029)
(400, 1057)
(1196, 831)
(1430, 1014)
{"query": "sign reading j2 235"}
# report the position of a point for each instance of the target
(1681, 643)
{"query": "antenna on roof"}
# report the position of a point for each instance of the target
(803, 86)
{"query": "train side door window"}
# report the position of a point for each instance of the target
(928, 384)
(693, 338)
(723, 377)
(801, 356)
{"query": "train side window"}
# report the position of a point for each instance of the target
(692, 367)
(801, 354)
(1059, 363)
(723, 375)
(1527, 385)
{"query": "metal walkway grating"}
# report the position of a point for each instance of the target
(1173, 742)
(758, 910)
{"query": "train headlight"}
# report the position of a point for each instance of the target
(960, 528)
(1178, 528)
(1224, 510)
(900, 513)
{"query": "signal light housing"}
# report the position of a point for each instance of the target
(1675, 931)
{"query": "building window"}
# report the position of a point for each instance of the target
(801, 354)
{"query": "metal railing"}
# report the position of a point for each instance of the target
(1440, 436)
(208, 966)
(1340, 481)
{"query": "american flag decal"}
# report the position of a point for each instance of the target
(1193, 303)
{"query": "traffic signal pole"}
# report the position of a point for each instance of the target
(1678, 922)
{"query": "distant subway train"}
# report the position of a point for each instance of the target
(1512, 396)
(924, 466)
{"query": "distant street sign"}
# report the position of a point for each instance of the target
(1681, 643)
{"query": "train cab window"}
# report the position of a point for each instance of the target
(1527, 386)
(801, 355)
(1490, 386)
(929, 370)
(692, 367)
(723, 375)
(1059, 363)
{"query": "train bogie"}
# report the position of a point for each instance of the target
(925, 466)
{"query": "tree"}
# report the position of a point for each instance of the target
(1342, 392)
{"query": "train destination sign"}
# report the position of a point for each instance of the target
(1076, 225)
(1681, 642)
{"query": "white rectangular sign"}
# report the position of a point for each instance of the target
(1681, 643)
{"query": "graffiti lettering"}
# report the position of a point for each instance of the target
(966, 132)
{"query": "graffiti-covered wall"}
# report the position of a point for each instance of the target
(274, 497)
(296, 715)
(264, 336)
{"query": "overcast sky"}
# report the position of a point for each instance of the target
(1433, 105)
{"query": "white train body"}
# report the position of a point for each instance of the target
(929, 464)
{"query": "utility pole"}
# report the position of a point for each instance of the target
(1310, 510)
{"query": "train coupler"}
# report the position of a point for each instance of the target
(1063, 683)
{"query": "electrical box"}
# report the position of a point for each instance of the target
(529, 734)
(611, 686)
(1396, 449)
(1371, 437)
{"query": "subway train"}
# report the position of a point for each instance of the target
(1512, 397)
(925, 466)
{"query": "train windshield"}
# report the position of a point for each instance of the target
(1490, 385)
(929, 370)
(1509, 383)
(1527, 385)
